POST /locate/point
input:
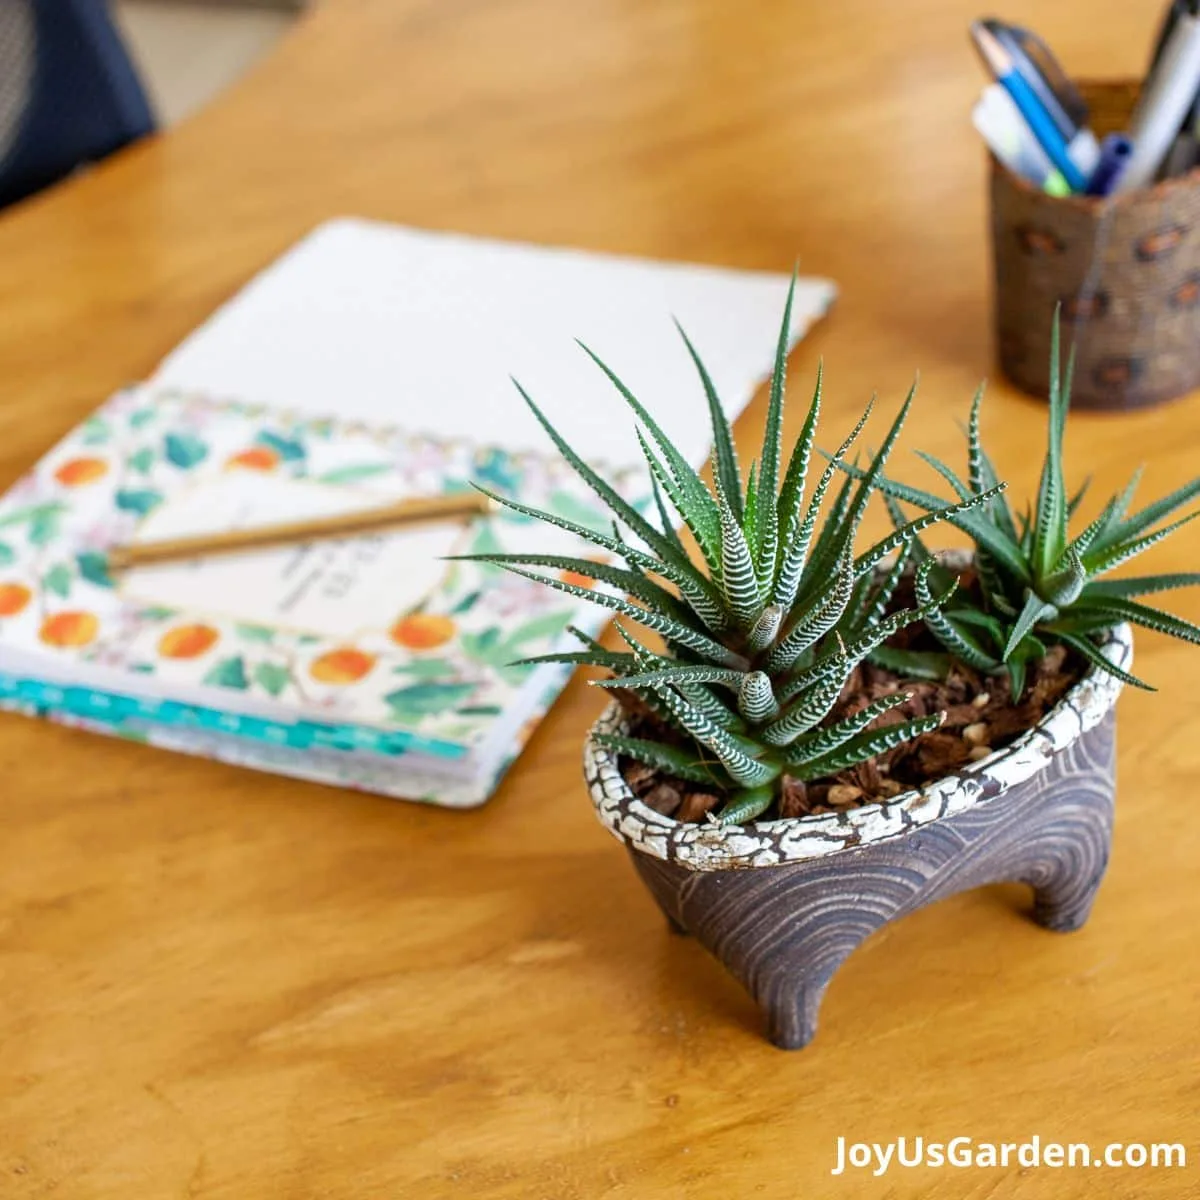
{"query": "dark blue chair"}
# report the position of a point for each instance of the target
(69, 93)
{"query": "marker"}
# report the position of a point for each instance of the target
(1036, 64)
(1166, 98)
(999, 123)
(1115, 153)
(1000, 63)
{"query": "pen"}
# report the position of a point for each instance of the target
(1182, 155)
(1115, 152)
(1000, 63)
(1166, 97)
(999, 123)
(1036, 64)
(343, 525)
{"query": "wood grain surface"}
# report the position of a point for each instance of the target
(224, 985)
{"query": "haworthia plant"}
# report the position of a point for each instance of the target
(763, 632)
(1039, 583)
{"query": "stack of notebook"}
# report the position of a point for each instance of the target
(370, 364)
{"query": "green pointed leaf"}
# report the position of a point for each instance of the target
(739, 582)
(768, 477)
(1097, 562)
(1110, 530)
(794, 552)
(831, 542)
(1050, 526)
(1064, 586)
(698, 518)
(1141, 585)
(906, 534)
(947, 473)
(1092, 653)
(693, 639)
(668, 525)
(741, 767)
(791, 493)
(682, 471)
(756, 701)
(689, 580)
(1077, 499)
(660, 543)
(821, 742)
(1034, 611)
(628, 581)
(1160, 509)
(913, 664)
(672, 759)
(747, 805)
(810, 708)
(724, 452)
(956, 639)
(681, 673)
(972, 522)
(866, 745)
(824, 612)
(1118, 610)
(765, 629)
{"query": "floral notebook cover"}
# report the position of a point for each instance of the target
(368, 662)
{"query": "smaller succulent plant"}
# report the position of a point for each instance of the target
(1038, 584)
(761, 637)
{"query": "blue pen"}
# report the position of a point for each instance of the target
(1040, 123)
(1115, 152)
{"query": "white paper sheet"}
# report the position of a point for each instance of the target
(376, 322)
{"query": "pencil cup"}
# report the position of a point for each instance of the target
(1125, 268)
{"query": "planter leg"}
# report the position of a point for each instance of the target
(788, 980)
(792, 1018)
(1064, 901)
(1066, 863)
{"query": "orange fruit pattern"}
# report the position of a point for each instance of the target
(187, 641)
(77, 472)
(13, 598)
(341, 666)
(257, 458)
(422, 631)
(69, 628)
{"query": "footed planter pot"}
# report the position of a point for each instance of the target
(783, 903)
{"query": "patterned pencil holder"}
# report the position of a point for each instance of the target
(1126, 270)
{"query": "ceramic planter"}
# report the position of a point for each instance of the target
(783, 903)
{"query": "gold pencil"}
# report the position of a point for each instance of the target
(403, 512)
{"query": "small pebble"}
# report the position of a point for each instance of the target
(843, 795)
(978, 752)
(981, 701)
(663, 798)
(975, 735)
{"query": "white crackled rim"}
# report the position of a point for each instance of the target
(712, 847)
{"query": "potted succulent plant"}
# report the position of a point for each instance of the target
(828, 737)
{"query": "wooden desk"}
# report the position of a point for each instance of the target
(221, 984)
